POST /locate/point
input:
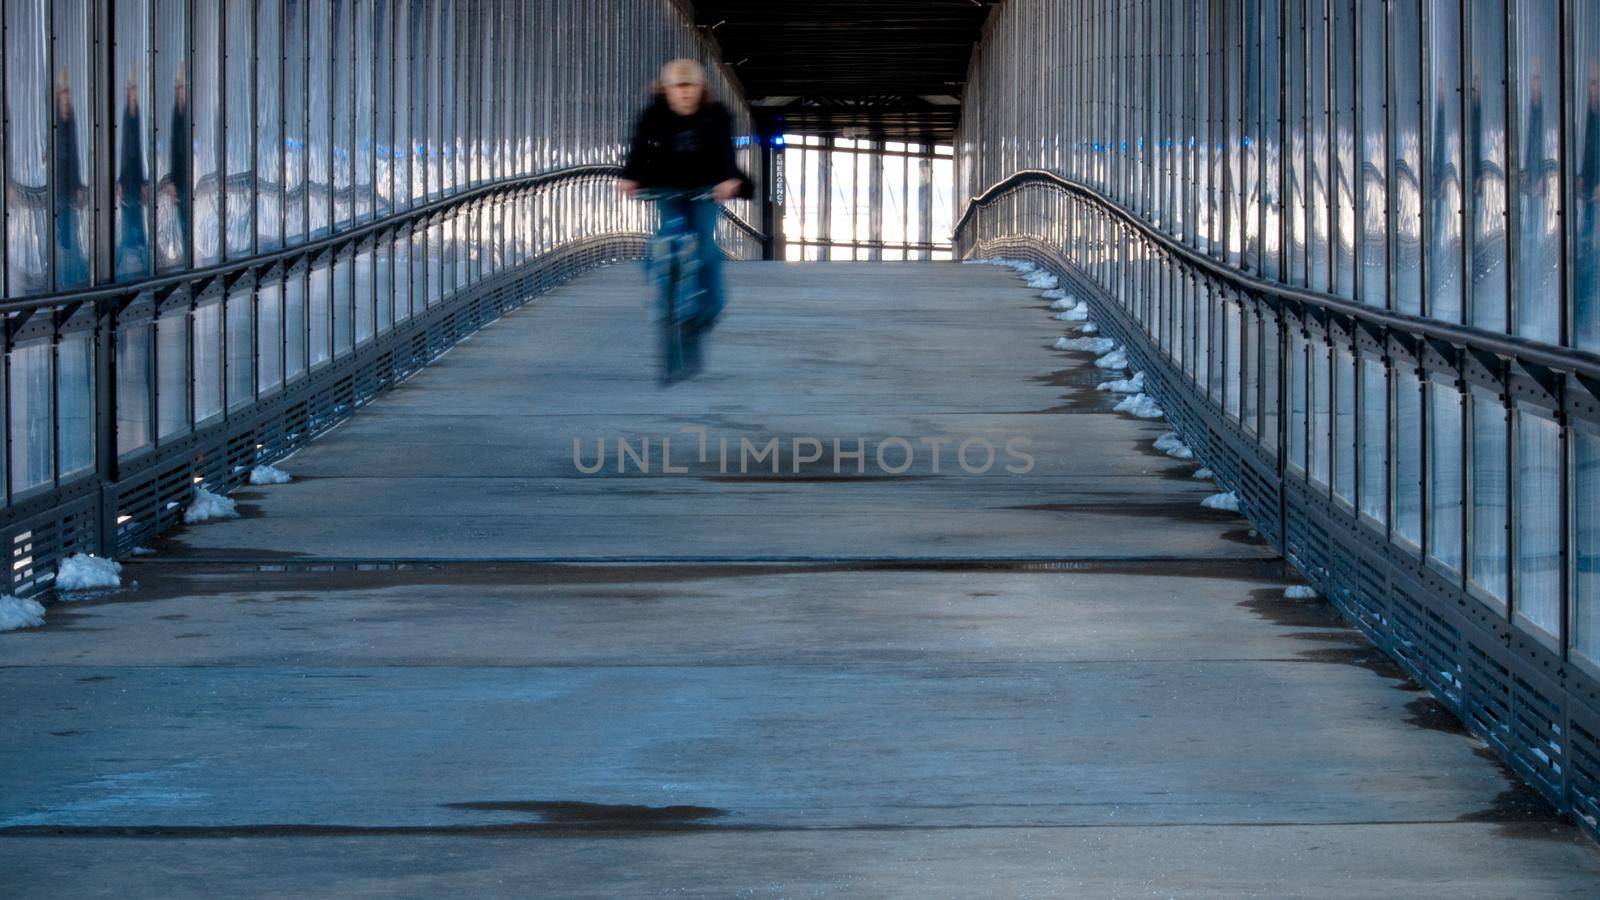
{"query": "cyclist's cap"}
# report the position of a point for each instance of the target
(682, 71)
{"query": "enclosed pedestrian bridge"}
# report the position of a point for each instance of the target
(1151, 448)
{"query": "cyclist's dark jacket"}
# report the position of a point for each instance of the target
(673, 151)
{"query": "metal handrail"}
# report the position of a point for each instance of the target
(1520, 350)
(332, 241)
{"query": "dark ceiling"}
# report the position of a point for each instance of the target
(849, 67)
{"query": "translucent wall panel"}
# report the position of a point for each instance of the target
(1405, 144)
(1585, 104)
(206, 133)
(75, 405)
(133, 194)
(29, 403)
(1536, 577)
(1445, 483)
(1488, 459)
(1486, 164)
(1443, 181)
(172, 371)
(1374, 459)
(173, 142)
(72, 143)
(1586, 545)
(206, 362)
(29, 234)
(269, 143)
(240, 134)
(1536, 77)
(240, 344)
(135, 380)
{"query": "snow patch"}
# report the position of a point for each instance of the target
(1089, 328)
(1300, 592)
(1056, 294)
(1043, 280)
(1203, 475)
(142, 551)
(268, 475)
(1228, 502)
(1173, 446)
(1065, 301)
(20, 612)
(1140, 406)
(1116, 359)
(1079, 313)
(1088, 344)
(208, 506)
(1134, 385)
(82, 572)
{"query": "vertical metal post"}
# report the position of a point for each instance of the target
(103, 180)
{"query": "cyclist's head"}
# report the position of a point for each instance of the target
(685, 85)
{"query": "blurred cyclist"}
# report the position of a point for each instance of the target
(684, 142)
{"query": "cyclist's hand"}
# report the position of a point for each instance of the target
(627, 188)
(727, 190)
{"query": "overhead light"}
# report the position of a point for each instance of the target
(942, 99)
(773, 101)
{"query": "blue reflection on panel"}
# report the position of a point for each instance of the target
(207, 125)
(319, 200)
(1586, 168)
(27, 137)
(295, 148)
(72, 117)
(133, 194)
(1486, 163)
(239, 134)
(1538, 87)
(269, 131)
(1444, 160)
(1405, 38)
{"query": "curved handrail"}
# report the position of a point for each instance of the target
(1521, 350)
(327, 242)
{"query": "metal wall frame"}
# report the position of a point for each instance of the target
(1365, 295)
(421, 221)
(817, 201)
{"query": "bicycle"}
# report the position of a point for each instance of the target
(673, 261)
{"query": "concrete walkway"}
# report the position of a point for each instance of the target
(444, 659)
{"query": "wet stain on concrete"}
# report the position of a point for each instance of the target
(1082, 395)
(168, 580)
(1269, 603)
(1366, 657)
(1426, 712)
(606, 816)
(1518, 810)
(1247, 536)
